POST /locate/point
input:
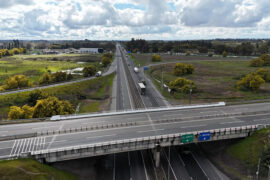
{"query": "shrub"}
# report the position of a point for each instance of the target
(108, 55)
(25, 112)
(106, 61)
(182, 69)
(182, 85)
(250, 82)
(263, 73)
(17, 81)
(45, 79)
(187, 53)
(266, 59)
(224, 54)
(156, 58)
(257, 62)
(89, 71)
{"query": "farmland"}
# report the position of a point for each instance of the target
(215, 80)
(33, 66)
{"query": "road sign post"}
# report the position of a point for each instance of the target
(187, 138)
(204, 136)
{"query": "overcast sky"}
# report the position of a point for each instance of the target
(124, 19)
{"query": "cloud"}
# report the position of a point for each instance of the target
(123, 19)
(10, 3)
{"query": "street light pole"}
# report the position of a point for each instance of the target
(162, 80)
(190, 91)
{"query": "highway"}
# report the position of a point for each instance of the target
(139, 164)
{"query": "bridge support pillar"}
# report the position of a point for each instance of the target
(156, 155)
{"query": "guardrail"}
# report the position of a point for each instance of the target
(132, 144)
(67, 117)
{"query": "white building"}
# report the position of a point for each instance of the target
(91, 50)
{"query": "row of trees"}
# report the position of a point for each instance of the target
(48, 78)
(41, 105)
(17, 81)
(245, 48)
(6, 52)
(253, 81)
(263, 60)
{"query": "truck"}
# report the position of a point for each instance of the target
(98, 74)
(136, 70)
(142, 88)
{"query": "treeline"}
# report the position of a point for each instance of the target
(202, 46)
(11, 52)
(109, 46)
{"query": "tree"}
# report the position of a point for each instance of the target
(15, 112)
(36, 95)
(59, 76)
(52, 106)
(250, 82)
(263, 73)
(182, 69)
(266, 59)
(89, 70)
(17, 81)
(106, 61)
(257, 62)
(156, 58)
(187, 53)
(263, 49)
(182, 85)
(45, 79)
(69, 76)
(224, 54)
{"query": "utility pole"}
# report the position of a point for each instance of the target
(162, 79)
(190, 91)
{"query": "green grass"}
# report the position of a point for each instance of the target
(249, 150)
(95, 89)
(216, 81)
(33, 68)
(28, 169)
(90, 107)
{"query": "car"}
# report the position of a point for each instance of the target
(99, 73)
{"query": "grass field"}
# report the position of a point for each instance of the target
(249, 150)
(215, 80)
(33, 66)
(26, 169)
(98, 89)
(145, 59)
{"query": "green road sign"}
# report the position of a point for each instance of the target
(187, 138)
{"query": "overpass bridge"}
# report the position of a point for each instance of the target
(75, 137)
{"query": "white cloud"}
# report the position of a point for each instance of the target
(158, 19)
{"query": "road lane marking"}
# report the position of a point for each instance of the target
(150, 130)
(46, 127)
(59, 141)
(94, 122)
(209, 111)
(13, 148)
(266, 119)
(231, 122)
(100, 136)
(6, 147)
(60, 128)
(146, 175)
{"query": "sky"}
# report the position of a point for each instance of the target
(126, 19)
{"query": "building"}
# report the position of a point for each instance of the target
(91, 50)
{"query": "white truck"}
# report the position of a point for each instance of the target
(98, 74)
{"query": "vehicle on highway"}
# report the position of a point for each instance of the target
(136, 70)
(142, 88)
(143, 81)
(98, 74)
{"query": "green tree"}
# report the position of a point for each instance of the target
(266, 59)
(182, 85)
(52, 106)
(106, 61)
(36, 95)
(15, 112)
(263, 49)
(224, 54)
(263, 73)
(45, 79)
(59, 76)
(182, 69)
(250, 82)
(257, 62)
(89, 70)
(156, 58)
